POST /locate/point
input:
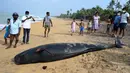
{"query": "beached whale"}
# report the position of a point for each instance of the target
(55, 52)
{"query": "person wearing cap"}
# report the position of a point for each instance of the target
(15, 27)
(26, 22)
(123, 23)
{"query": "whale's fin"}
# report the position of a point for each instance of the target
(39, 51)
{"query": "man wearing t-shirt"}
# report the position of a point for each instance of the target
(26, 20)
(123, 22)
(15, 27)
(47, 23)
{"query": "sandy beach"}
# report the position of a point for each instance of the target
(106, 61)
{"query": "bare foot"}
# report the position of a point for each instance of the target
(47, 35)
(22, 43)
(27, 43)
(44, 36)
(4, 44)
(15, 46)
(8, 47)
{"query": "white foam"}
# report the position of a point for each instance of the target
(2, 26)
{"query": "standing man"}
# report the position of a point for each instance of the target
(116, 23)
(15, 27)
(47, 24)
(124, 21)
(26, 20)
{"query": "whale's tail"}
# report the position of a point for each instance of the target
(118, 42)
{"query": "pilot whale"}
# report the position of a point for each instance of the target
(55, 52)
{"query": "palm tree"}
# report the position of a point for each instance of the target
(118, 6)
(68, 12)
(111, 5)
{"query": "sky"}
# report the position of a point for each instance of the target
(55, 7)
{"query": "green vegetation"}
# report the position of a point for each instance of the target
(88, 13)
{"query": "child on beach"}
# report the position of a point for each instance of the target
(7, 31)
(73, 26)
(90, 26)
(81, 26)
(108, 26)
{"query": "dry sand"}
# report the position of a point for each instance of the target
(105, 61)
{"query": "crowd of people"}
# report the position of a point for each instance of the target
(116, 26)
(13, 28)
(92, 26)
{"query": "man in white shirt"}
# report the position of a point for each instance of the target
(47, 24)
(124, 21)
(15, 27)
(26, 20)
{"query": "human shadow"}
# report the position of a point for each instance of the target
(63, 33)
(37, 35)
(100, 34)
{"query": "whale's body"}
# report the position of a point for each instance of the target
(54, 52)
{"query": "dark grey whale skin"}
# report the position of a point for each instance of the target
(55, 52)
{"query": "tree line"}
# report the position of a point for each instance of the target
(83, 13)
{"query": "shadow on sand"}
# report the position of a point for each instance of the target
(37, 35)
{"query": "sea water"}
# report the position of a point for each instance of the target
(3, 19)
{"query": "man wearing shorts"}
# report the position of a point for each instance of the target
(47, 23)
(15, 27)
(124, 22)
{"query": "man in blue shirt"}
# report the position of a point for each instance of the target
(15, 27)
(116, 23)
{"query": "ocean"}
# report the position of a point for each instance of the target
(3, 19)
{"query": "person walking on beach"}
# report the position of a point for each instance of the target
(7, 32)
(81, 26)
(73, 26)
(123, 23)
(26, 22)
(15, 27)
(47, 24)
(96, 22)
(116, 23)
